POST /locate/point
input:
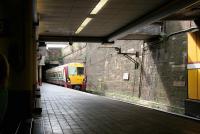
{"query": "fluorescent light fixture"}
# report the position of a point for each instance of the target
(79, 30)
(55, 45)
(83, 25)
(99, 6)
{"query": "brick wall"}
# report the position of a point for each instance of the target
(105, 68)
(74, 53)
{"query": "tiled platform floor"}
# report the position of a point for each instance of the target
(67, 111)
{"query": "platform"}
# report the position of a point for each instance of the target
(66, 111)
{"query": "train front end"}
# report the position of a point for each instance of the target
(75, 76)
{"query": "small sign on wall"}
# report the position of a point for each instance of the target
(42, 61)
(126, 76)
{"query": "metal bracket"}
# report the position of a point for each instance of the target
(127, 55)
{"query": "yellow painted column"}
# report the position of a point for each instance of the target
(198, 59)
(193, 65)
(192, 84)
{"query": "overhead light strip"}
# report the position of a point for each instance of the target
(83, 25)
(99, 6)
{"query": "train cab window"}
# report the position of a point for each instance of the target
(80, 70)
(72, 70)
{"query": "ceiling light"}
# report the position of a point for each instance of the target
(99, 6)
(83, 25)
(55, 45)
(79, 30)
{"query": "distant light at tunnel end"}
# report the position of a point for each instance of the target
(99, 6)
(56, 45)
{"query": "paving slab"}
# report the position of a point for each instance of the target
(67, 111)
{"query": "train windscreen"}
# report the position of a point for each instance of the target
(72, 71)
(76, 70)
(80, 70)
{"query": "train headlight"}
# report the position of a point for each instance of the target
(68, 80)
(84, 80)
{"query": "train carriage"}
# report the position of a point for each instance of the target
(70, 75)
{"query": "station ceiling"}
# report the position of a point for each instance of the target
(62, 18)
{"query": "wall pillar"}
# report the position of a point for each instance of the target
(40, 75)
(18, 46)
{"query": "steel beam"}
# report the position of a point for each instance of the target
(157, 14)
(46, 38)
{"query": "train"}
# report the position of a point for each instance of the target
(71, 75)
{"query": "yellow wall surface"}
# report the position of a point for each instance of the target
(194, 73)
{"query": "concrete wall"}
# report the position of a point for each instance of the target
(160, 82)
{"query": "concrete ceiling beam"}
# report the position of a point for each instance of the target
(151, 17)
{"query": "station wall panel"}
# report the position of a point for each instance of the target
(194, 63)
(192, 84)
